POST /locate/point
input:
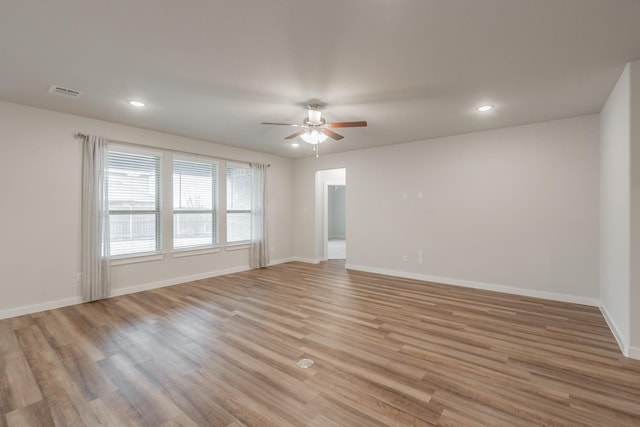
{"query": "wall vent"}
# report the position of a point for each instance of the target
(65, 91)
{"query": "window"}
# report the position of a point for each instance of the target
(194, 204)
(238, 204)
(134, 202)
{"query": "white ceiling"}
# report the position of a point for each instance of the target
(414, 69)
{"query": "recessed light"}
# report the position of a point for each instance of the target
(484, 108)
(138, 104)
(295, 144)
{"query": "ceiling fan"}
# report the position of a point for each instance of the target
(315, 130)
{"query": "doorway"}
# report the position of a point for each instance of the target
(331, 227)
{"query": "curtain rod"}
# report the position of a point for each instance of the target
(83, 135)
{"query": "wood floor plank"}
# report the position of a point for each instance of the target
(34, 415)
(190, 397)
(335, 381)
(153, 406)
(115, 410)
(107, 417)
(67, 404)
(388, 352)
(456, 408)
(21, 388)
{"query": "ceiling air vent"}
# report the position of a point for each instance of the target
(65, 91)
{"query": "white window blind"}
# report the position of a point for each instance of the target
(134, 203)
(238, 204)
(194, 204)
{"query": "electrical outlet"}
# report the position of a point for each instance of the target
(405, 258)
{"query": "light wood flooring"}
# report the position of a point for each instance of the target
(387, 352)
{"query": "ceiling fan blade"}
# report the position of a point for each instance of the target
(332, 134)
(279, 124)
(293, 135)
(346, 124)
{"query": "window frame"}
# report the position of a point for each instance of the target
(158, 252)
(215, 209)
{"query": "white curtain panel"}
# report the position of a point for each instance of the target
(95, 220)
(259, 247)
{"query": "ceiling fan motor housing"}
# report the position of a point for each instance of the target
(315, 116)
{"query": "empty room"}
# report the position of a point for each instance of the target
(351, 213)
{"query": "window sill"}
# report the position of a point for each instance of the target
(136, 259)
(237, 246)
(180, 253)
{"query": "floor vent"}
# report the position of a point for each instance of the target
(65, 91)
(305, 363)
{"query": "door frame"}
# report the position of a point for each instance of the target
(324, 178)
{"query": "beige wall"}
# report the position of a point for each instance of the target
(615, 209)
(40, 171)
(513, 209)
(634, 301)
(620, 210)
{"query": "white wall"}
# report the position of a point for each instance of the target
(620, 210)
(634, 301)
(40, 172)
(615, 209)
(513, 209)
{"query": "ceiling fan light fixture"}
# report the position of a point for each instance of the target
(314, 137)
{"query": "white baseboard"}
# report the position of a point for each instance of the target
(175, 281)
(626, 349)
(307, 260)
(281, 261)
(632, 352)
(35, 308)
(615, 330)
(479, 285)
